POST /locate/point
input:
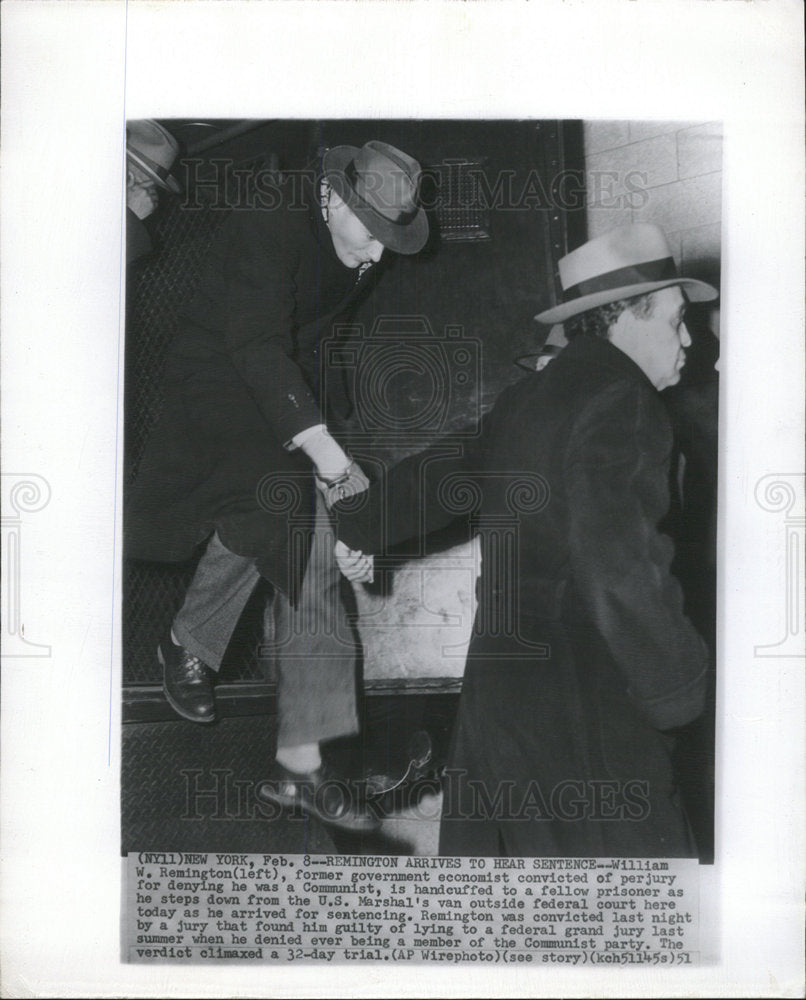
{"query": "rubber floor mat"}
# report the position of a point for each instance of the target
(186, 787)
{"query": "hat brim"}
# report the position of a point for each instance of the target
(169, 183)
(404, 238)
(697, 291)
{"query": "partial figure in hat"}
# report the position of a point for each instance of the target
(581, 662)
(150, 154)
(552, 345)
(244, 446)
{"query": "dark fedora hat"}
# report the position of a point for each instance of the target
(625, 262)
(378, 183)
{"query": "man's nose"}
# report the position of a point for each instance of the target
(685, 336)
(375, 251)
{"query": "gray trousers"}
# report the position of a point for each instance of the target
(313, 644)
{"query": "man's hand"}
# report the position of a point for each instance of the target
(357, 567)
(142, 198)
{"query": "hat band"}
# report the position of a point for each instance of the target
(160, 171)
(635, 274)
(401, 216)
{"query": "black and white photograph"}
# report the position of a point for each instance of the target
(403, 546)
(421, 427)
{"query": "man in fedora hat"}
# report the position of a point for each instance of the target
(243, 452)
(581, 660)
(150, 154)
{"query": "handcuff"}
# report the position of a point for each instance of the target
(337, 484)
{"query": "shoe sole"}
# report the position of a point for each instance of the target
(380, 784)
(305, 807)
(175, 705)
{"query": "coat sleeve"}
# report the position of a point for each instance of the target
(422, 494)
(260, 305)
(615, 475)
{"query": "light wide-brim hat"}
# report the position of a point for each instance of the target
(379, 183)
(628, 261)
(153, 149)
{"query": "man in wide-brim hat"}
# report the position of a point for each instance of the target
(243, 452)
(581, 660)
(150, 154)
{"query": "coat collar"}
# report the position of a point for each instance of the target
(316, 221)
(595, 350)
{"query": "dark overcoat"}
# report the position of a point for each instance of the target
(138, 238)
(581, 659)
(241, 379)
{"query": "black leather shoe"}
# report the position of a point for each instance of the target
(187, 682)
(333, 800)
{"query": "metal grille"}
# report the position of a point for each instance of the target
(152, 595)
(153, 592)
(462, 213)
(186, 787)
(165, 283)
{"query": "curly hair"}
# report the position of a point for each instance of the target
(597, 322)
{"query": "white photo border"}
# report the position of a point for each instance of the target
(72, 73)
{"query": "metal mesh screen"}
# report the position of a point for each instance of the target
(462, 213)
(153, 592)
(164, 284)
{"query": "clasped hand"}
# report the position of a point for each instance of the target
(142, 199)
(357, 567)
